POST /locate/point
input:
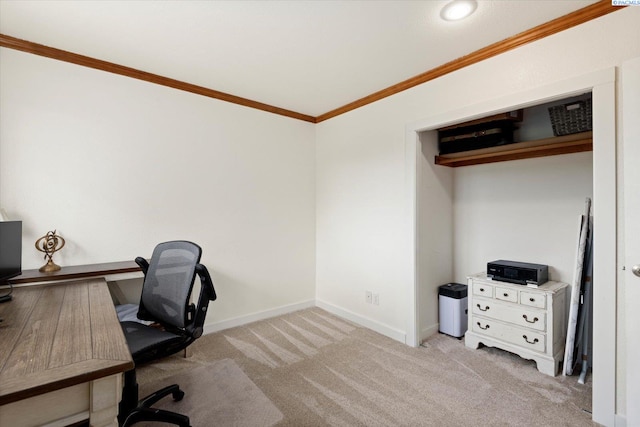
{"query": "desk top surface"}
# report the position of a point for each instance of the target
(59, 335)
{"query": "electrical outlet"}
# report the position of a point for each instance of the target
(376, 299)
(369, 297)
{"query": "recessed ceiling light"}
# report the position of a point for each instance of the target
(458, 9)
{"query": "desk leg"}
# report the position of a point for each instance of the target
(105, 397)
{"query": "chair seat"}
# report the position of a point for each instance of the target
(144, 339)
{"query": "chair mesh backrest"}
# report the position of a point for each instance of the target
(169, 280)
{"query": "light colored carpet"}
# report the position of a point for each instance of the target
(320, 370)
(217, 394)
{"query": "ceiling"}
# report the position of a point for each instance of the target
(306, 56)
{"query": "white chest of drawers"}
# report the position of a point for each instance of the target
(530, 322)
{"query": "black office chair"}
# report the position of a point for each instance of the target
(166, 291)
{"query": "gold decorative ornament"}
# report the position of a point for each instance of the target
(49, 244)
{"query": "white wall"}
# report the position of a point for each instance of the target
(108, 161)
(363, 235)
(434, 231)
(375, 133)
(525, 210)
(597, 45)
(117, 165)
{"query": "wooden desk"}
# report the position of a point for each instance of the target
(62, 355)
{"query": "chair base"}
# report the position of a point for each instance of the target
(131, 414)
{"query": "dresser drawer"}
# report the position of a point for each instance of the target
(521, 337)
(533, 299)
(483, 290)
(505, 294)
(514, 314)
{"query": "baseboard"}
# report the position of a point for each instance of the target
(364, 321)
(338, 311)
(254, 317)
(620, 420)
(427, 332)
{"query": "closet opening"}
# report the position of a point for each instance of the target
(527, 209)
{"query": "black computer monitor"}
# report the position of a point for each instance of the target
(10, 250)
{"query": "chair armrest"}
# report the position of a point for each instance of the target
(143, 263)
(143, 314)
(207, 293)
(206, 282)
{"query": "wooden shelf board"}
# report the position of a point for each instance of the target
(567, 144)
(76, 272)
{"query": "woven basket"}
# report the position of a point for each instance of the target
(571, 118)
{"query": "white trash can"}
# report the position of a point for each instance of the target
(452, 302)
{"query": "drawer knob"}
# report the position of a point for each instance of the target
(481, 289)
(486, 307)
(535, 319)
(535, 340)
(505, 294)
(480, 326)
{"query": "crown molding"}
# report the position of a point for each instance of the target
(98, 64)
(596, 10)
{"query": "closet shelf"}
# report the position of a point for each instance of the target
(567, 144)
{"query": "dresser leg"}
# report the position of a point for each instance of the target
(548, 367)
(471, 341)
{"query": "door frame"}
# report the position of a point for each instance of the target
(602, 86)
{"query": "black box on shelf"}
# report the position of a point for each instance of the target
(474, 137)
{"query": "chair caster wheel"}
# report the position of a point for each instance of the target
(177, 395)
